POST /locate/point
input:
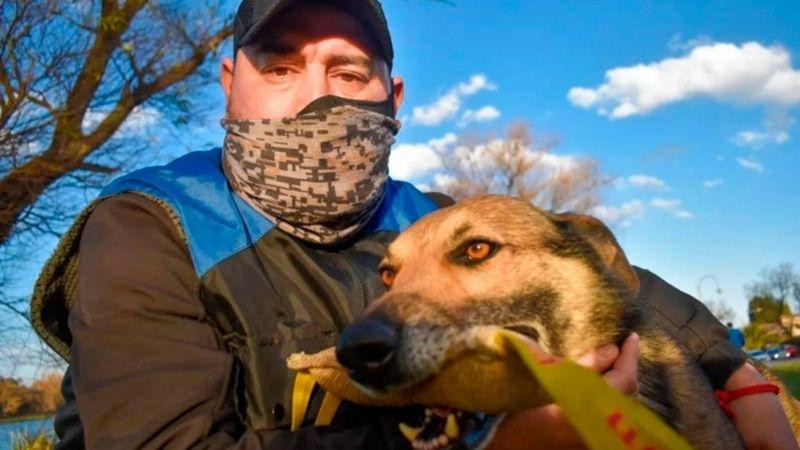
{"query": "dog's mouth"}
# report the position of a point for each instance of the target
(525, 330)
(448, 428)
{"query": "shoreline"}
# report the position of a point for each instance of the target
(26, 418)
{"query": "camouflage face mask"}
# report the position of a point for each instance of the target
(319, 176)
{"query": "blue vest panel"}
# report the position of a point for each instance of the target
(218, 223)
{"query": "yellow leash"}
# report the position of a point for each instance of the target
(330, 403)
(301, 396)
(604, 417)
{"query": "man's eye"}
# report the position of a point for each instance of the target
(348, 77)
(278, 73)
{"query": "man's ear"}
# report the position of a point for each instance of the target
(226, 78)
(398, 89)
(605, 244)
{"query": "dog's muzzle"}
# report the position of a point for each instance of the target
(367, 349)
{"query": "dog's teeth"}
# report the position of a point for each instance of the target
(410, 432)
(451, 428)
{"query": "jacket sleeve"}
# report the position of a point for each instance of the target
(702, 334)
(147, 369)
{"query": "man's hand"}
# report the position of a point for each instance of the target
(546, 427)
(760, 418)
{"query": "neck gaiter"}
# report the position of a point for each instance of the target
(319, 176)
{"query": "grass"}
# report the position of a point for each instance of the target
(789, 373)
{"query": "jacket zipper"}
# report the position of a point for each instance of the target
(358, 276)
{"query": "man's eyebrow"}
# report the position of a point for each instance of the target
(355, 60)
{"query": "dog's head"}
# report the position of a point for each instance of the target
(560, 278)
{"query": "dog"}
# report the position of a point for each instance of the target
(560, 279)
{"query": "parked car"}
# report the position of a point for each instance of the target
(759, 355)
(783, 351)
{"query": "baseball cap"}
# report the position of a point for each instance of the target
(254, 15)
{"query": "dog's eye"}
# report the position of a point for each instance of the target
(478, 251)
(387, 277)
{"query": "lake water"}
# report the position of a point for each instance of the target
(7, 429)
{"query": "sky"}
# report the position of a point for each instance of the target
(692, 106)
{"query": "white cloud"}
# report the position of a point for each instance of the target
(623, 214)
(485, 154)
(710, 184)
(774, 131)
(484, 114)
(447, 106)
(672, 206)
(676, 43)
(443, 181)
(555, 163)
(750, 164)
(476, 84)
(664, 203)
(410, 161)
(757, 139)
(138, 121)
(647, 181)
(743, 74)
(441, 144)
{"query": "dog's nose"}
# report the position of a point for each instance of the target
(366, 349)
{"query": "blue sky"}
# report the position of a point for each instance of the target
(722, 112)
(534, 53)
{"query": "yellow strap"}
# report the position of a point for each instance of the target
(330, 403)
(604, 417)
(301, 396)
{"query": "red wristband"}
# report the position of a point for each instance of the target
(724, 398)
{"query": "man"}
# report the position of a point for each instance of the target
(195, 280)
(735, 335)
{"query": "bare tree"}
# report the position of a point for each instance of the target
(72, 72)
(522, 165)
(77, 79)
(780, 284)
(721, 310)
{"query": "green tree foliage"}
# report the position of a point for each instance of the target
(761, 335)
(765, 309)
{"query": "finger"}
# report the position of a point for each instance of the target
(624, 373)
(600, 359)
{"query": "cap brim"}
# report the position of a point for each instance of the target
(363, 10)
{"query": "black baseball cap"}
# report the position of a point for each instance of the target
(254, 15)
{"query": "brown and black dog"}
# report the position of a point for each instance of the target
(562, 279)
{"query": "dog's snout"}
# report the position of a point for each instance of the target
(366, 349)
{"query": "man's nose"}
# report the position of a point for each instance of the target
(315, 84)
(367, 348)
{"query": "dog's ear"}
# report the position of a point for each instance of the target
(605, 244)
